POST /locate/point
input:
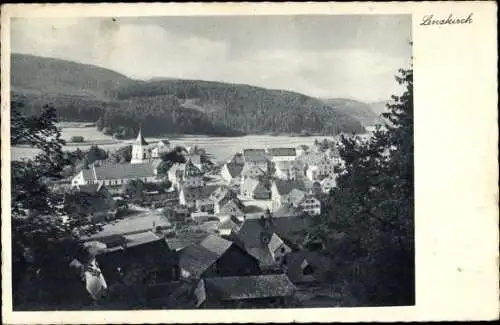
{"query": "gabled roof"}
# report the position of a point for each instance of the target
(312, 158)
(140, 139)
(281, 152)
(220, 194)
(283, 165)
(249, 185)
(296, 196)
(254, 155)
(196, 259)
(120, 171)
(199, 193)
(247, 169)
(191, 170)
(195, 159)
(89, 188)
(275, 242)
(234, 169)
(284, 187)
(230, 222)
(216, 244)
(248, 287)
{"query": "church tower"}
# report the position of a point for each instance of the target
(140, 152)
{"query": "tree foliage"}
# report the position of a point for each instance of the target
(42, 243)
(373, 208)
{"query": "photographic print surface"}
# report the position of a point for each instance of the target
(212, 162)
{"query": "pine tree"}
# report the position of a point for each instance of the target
(373, 207)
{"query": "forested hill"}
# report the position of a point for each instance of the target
(363, 112)
(119, 104)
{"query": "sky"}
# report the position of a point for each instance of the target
(351, 56)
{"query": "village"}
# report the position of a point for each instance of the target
(230, 234)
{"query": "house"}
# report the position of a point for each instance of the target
(328, 183)
(281, 189)
(281, 154)
(231, 172)
(288, 170)
(253, 189)
(116, 174)
(175, 174)
(273, 290)
(91, 200)
(196, 161)
(251, 171)
(232, 207)
(256, 158)
(318, 165)
(160, 148)
(238, 159)
(229, 225)
(216, 256)
(308, 204)
(301, 149)
(303, 266)
(197, 197)
(138, 258)
(220, 197)
(90, 274)
(257, 236)
(185, 175)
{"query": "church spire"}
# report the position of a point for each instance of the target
(140, 139)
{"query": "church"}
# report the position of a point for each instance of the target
(143, 166)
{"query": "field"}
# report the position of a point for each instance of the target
(221, 148)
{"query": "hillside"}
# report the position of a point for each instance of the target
(379, 107)
(88, 93)
(361, 111)
(49, 75)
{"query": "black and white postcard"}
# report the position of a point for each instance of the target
(249, 162)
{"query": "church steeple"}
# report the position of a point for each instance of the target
(140, 151)
(140, 139)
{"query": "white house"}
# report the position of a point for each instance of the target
(278, 249)
(185, 175)
(310, 205)
(282, 192)
(197, 197)
(159, 148)
(281, 154)
(318, 165)
(301, 149)
(231, 172)
(116, 174)
(256, 157)
(288, 170)
(251, 171)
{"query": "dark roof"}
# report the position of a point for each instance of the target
(286, 186)
(216, 244)
(196, 259)
(251, 231)
(199, 193)
(255, 155)
(89, 188)
(248, 287)
(120, 171)
(234, 169)
(281, 152)
(140, 139)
